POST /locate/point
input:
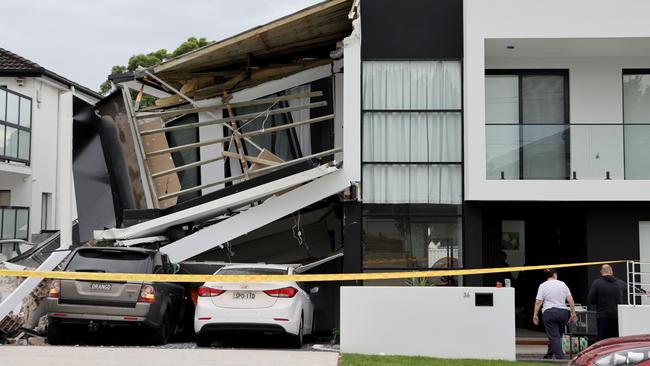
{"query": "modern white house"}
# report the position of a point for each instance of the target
(30, 108)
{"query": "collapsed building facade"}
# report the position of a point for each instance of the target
(240, 159)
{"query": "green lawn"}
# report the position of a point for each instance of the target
(363, 360)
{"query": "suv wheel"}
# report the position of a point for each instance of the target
(161, 335)
(55, 334)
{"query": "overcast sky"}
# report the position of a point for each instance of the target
(82, 39)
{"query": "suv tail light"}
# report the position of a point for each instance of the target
(282, 292)
(147, 294)
(55, 289)
(205, 291)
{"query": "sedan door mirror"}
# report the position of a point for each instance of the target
(314, 290)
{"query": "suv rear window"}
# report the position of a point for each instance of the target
(251, 271)
(109, 261)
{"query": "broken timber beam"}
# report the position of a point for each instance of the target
(236, 134)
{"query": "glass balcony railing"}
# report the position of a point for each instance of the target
(568, 151)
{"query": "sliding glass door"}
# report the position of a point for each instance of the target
(527, 124)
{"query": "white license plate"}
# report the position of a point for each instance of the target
(101, 286)
(243, 295)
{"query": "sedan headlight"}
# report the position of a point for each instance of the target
(628, 357)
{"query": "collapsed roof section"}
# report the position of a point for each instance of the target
(228, 116)
(282, 47)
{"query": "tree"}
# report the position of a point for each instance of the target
(153, 58)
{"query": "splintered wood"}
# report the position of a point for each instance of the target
(168, 183)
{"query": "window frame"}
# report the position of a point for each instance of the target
(4, 124)
(16, 209)
(459, 111)
(520, 74)
(461, 215)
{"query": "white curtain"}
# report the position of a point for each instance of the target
(303, 132)
(412, 137)
(402, 183)
(411, 85)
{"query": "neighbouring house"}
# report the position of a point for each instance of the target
(29, 118)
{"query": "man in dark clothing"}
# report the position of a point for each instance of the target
(606, 293)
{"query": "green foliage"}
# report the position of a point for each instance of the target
(364, 360)
(419, 282)
(148, 60)
(336, 333)
(191, 44)
(151, 59)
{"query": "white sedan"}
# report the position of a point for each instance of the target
(282, 308)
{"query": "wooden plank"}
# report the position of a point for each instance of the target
(315, 11)
(235, 134)
(160, 162)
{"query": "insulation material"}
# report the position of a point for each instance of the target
(167, 183)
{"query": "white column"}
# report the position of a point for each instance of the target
(64, 169)
(352, 104)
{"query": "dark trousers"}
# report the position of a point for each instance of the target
(607, 328)
(555, 320)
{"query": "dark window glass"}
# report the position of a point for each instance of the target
(110, 261)
(404, 237)
(190, 177)
(543, 99)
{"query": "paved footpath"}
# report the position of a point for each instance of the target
(142, 356)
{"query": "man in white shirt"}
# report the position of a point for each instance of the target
(552, 297)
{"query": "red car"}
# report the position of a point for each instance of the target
(630, 350)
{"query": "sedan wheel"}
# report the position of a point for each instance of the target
(298, 341)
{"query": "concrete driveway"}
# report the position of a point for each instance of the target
(140, 356)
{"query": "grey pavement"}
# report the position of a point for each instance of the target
(140, 356)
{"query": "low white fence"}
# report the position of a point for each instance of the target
(445, 322)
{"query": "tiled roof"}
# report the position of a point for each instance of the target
(11, 61)
(13, 65)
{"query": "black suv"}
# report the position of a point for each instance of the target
(156, 307)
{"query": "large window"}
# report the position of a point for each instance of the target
(412, 164)
(15, 126)
(412, 132)
(14, 222)
(527, 136)
(636, 118)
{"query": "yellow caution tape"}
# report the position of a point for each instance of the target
(95, 276)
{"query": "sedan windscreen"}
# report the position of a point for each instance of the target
(109, 261)
(251, 271)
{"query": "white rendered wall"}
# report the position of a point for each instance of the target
(428, 321)
(595, 85)
(40, 177)
(633, 320)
